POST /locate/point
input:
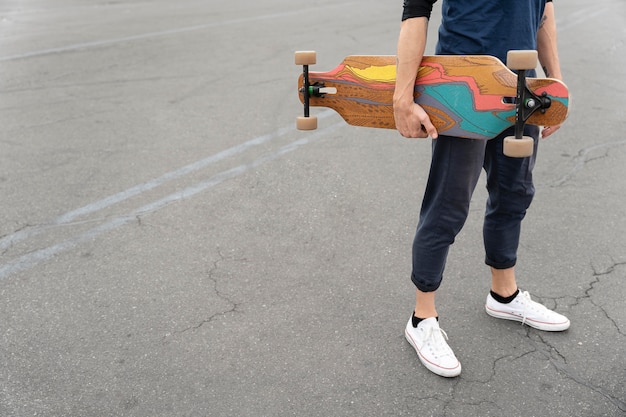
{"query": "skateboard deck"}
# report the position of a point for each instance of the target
(465, 96)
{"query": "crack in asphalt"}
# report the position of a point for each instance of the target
(584, 156)
(597, 274)
(538, 342)
(559, 360)
(560, 364)
(211, 276)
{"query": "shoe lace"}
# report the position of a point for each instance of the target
(438, 337)
(529, 304)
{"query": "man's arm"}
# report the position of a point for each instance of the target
(547, 44)
(411, 120)
(548, 53)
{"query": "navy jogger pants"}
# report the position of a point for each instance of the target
(455, 168)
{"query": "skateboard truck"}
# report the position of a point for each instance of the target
(526, 103)
(318, 89)
(308, 90)
(306, 58)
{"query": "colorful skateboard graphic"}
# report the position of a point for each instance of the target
(466, 96)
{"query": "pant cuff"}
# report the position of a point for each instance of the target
(423, 286)
(500, 265)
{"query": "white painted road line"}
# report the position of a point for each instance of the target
(42, 255)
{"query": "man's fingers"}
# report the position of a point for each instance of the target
(427, 126)
(430, 129)
(413, 122)
(549, 130)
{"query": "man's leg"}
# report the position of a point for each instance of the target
(511, 190)
(455, 168)
(503, 281)
(425, 304)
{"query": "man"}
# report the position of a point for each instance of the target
(470, 27)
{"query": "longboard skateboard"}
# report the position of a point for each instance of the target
(474, 97)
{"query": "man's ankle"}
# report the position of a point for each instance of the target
(504, 300)
(417, 320)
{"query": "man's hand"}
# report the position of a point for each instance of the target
(412, 121)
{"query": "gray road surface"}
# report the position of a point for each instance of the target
(171, 246)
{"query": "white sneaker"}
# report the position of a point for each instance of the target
(529, 312)
(429, 341)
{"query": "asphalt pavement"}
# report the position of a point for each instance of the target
(170, 244)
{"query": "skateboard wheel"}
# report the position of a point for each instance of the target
(306, 57)
(518, 148)
(521, 60)
(306, 123)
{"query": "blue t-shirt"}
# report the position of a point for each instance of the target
(489, 27)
